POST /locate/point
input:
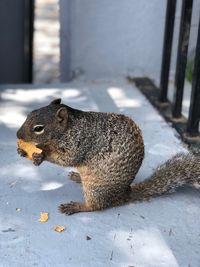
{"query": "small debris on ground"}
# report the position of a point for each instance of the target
(18, 209)
(170, 232)
(13, 183)
(111, 255)
(88, 237)
(59, 228)
(44, 216)
(8, 230)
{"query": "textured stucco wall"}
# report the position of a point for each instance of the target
(112, 37)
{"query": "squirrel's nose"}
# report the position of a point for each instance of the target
(20, 134)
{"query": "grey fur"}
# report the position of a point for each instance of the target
(108, 151)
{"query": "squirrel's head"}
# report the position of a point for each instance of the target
(43, 124)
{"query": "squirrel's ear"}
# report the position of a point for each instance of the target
(56, 101)
(62, 114)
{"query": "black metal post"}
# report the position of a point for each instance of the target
(194, 112)
(167, 47)
(181, 62)
(28, 40)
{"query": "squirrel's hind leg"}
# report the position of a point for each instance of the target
(98, 196)
(97, 200)
(73, 207)
(99, 193)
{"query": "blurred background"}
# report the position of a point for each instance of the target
(55, 41)
(97, 39)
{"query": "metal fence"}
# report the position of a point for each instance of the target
(172, 111)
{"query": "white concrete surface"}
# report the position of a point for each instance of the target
(164, 232)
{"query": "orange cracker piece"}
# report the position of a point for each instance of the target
(59, 228)
(29, 148)
(44, 216)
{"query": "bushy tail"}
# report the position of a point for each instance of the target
(180, 170)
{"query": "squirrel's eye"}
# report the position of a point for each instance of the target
(38, 129)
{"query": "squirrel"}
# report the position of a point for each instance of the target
(107, 149)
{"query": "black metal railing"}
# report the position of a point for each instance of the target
(192, 129)
(186, 15)
(167, 47)
(172, 111)
(194, 112)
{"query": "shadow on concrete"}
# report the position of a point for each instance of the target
(162, 232)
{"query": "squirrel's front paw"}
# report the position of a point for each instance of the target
(21, 152)
(37, 158)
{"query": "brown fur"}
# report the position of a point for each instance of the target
(108, 150)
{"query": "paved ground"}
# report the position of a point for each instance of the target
(164, 232)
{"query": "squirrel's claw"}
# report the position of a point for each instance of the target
(70, 208)
(37, 158)
(21, 152)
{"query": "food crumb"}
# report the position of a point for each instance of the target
(59, 228)
(44, 216)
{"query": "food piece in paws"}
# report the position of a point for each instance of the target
(29, 148)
